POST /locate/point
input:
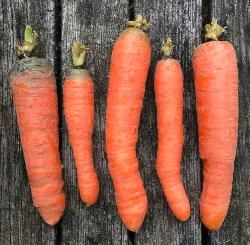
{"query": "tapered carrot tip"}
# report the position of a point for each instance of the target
(90, 198)
(53, 213)
(52, 217)
(133, 221)
(213, 221)
(182, 211)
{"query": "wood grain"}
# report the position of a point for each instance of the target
(182, 21)
(235, 15)
(20, 223)
(97, 24)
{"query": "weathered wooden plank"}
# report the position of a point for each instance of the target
(182, 21)
(96, 23)
(235, 15)
(20, 223)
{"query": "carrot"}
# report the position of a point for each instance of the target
(35, 99)
(168, 82)
(78, 95)
(216, 86)
(128, 73)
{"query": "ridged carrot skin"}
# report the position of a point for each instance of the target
(168, 84)
(35, 98)
(216, 86)
(79, 115)
(128, 73)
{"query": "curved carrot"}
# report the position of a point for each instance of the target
(168, 82)
(35, 98)
(216, 86)
(78, 97)
(128, 73)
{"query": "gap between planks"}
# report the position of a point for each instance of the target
(206, 13)
(58, 72)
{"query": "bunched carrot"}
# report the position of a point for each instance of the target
(78, 97)
(216, 86)
(35, 99)
(168, 83)
(128, 73)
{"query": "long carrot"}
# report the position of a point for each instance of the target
(168, 82)
(78, 95)
(216, 86)
(128, 73)
(35, 99)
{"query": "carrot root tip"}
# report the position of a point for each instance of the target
(212, 220)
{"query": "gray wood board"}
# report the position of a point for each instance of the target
(235, 15)
(97, 24)
(182, 21)
(20, 222)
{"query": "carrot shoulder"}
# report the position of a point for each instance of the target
(35, 99)
(78, 97)
(168, 83)
(216, 86)
(128, 73)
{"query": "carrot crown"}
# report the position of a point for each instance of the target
(78, 54)
(167, 48)
(139, 22)
(29, 43)
(213, 30)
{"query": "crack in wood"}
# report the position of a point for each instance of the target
(206, 17)
(131, 238)
(131, 15)
(131, 9)
(58, 72)
(206, 13)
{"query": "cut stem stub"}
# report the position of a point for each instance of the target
(139, 22)
(167, 48)
(29, 43)
(78, 54)
(213, 30)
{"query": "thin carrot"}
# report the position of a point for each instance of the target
(168, 82)
(78, 95)
(216, 86)
(128, 73)
(35, 98)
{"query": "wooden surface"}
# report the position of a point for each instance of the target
(170, 19)
(19, 221)
(236, 228)
(98, 24)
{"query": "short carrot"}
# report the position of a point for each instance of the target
(35, 98)
(78, 97)
(128, 73)
(168, 84)
(216, 86)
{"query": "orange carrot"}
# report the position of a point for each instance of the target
(35, 98)
(79, 114)
(216, 86)
(168, 83)
(128, 73)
